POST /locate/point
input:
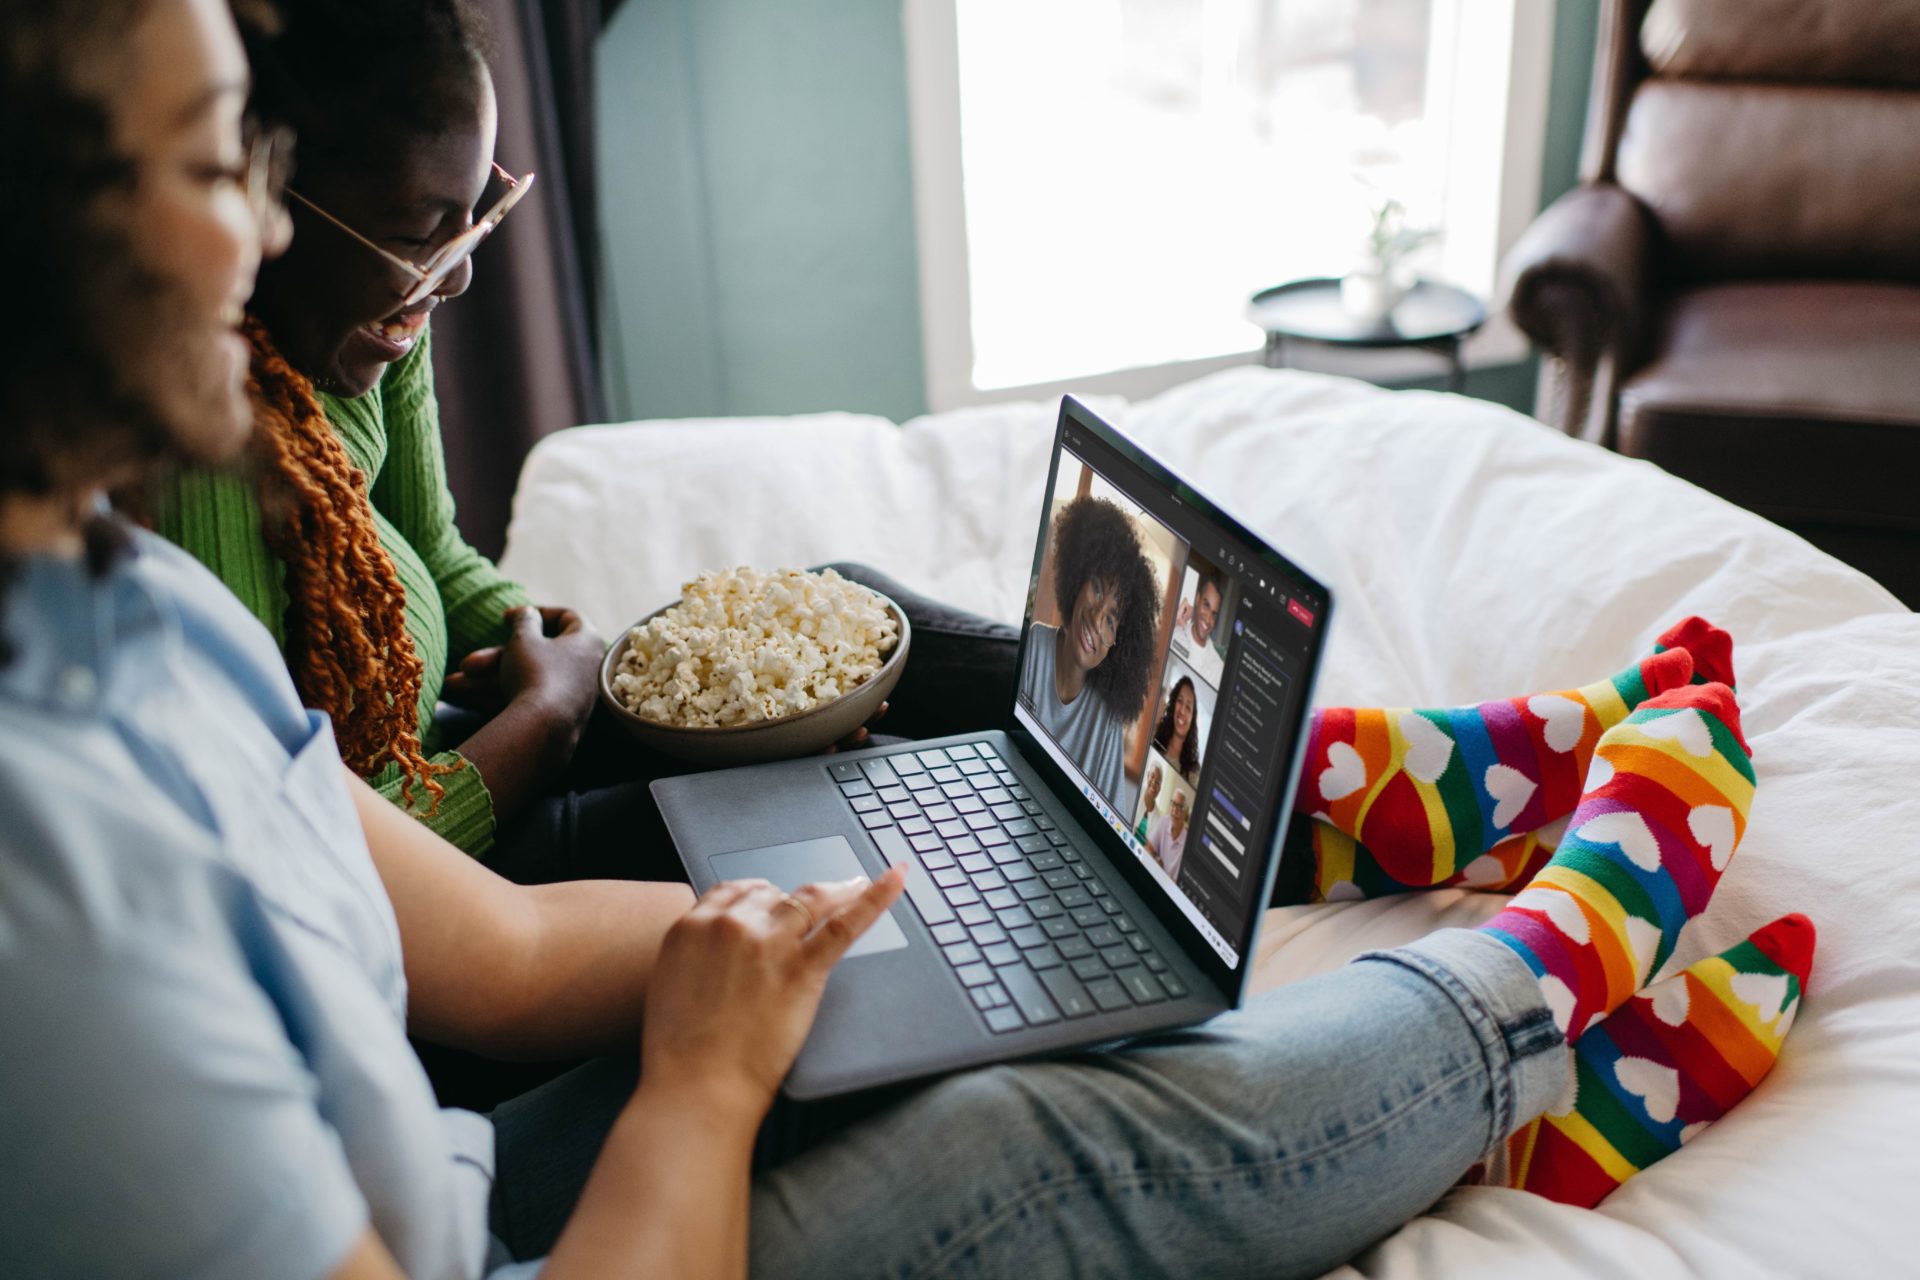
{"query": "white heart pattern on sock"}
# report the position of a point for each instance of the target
(1671, 1001)
(1629, 831)
(1510, 789)
(1657, 1086)
(1569, 1094)
(1599, 772)
(1559, 907)
(1483, 872)
(1566, 719)
(1684, 727)
(1428, 749)
(1559, 998)
(1766, 992)
(1712, 826)
(1345, 773)
(1644, 937)
(1344, 891)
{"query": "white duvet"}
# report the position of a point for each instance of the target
(1474, 554)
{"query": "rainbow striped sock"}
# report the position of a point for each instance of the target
(1656, 1071)
(1411, 798)
(1665, 807)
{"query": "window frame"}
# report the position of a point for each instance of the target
(1502, 188)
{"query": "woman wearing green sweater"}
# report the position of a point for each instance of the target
(339, 531)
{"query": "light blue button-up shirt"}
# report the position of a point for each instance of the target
(203, 1063)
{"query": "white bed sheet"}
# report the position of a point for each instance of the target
(1475, 554)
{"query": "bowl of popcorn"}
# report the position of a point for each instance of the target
(750, 666)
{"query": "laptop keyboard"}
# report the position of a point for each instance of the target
(1021, 917)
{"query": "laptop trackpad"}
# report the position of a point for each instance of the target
(807, 862)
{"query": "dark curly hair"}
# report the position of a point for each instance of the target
(1163, 732)
(1093, 538)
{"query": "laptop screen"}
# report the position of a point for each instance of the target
(1165, 659)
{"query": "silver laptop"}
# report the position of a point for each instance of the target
(1095, 869)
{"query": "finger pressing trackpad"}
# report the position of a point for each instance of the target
(809, 862)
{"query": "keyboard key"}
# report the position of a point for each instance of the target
(1174, 986)
(925, 895)
(1059, 878)
(1019, 792)
(1031, 806)
(933, 758)
(1072, 898)
(1004, 1019)
(1029, 996)
(915, 826)
(962, 953)
(1109, 994)
(987, 933)
(1067, 852)
(988, 997)
(1043, 822)
(962, 895)
(906, 764)
(946, 774)
(1087, 967)
(1135, 941)
(1067, 992)
(1154, 962)
(858, 787)
(951, 830)
(893, 795)
(1021, 827)
(964, 844)
(949, 933)
(904, 810)
(955, 790)
(1002, 953)
(1006, 812)
(877, 819)
(1058, 839)
(879, 772)
(1031, 936)
(1112, 908)
(948, 877)
(1001, 899)
(941, 813)
(1120, 957)
(1086, 917)
(1009, 858)
(1104, 936)
(847, 772)
(1072, 948)
(1044, 958)
(980, 821)
(1042, 906)
(973, 862)
(974, 975)
(1082, 870)
(923, 786)
(995, 838)
(1125, 925)
(972, 767)
(1058, 926)
(1016, 871)
(1015, 917)
(974, 913)
(987, 880)
(995, 795)
(934, 859)
(962, 751)
(1045, 861)
(969, 804)
(925, 842)
(867, 803)
(1032, 844)
(1142, 988)
(1031, 891)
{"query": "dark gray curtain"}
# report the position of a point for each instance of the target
(517, 357)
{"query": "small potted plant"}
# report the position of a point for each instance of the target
(1376, 288)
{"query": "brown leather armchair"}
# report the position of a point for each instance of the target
(1733, 291)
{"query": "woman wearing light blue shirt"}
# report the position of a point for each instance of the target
(214, 939)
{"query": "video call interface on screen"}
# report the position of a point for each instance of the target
(1159, 669)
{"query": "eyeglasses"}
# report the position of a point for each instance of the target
(269, 166)
(428, 276)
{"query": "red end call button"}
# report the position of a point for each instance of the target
(1301, 613)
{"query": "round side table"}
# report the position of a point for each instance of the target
(1434, 317)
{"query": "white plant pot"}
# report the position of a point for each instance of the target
(1370, 296)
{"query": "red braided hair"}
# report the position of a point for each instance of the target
(347, 642)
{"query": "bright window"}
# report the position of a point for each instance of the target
(1104, 182)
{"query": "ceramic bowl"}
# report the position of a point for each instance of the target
(797, 735)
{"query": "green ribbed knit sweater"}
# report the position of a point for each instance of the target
(456, 598)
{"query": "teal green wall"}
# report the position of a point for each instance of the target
(757, 201)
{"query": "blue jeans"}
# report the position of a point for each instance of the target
(1277, 1140)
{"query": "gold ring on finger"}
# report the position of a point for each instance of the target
(806, 912)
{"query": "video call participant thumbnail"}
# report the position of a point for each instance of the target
(1197, 622)
(1086, 679)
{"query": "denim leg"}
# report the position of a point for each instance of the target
(1278, 1140)
(961, 673)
